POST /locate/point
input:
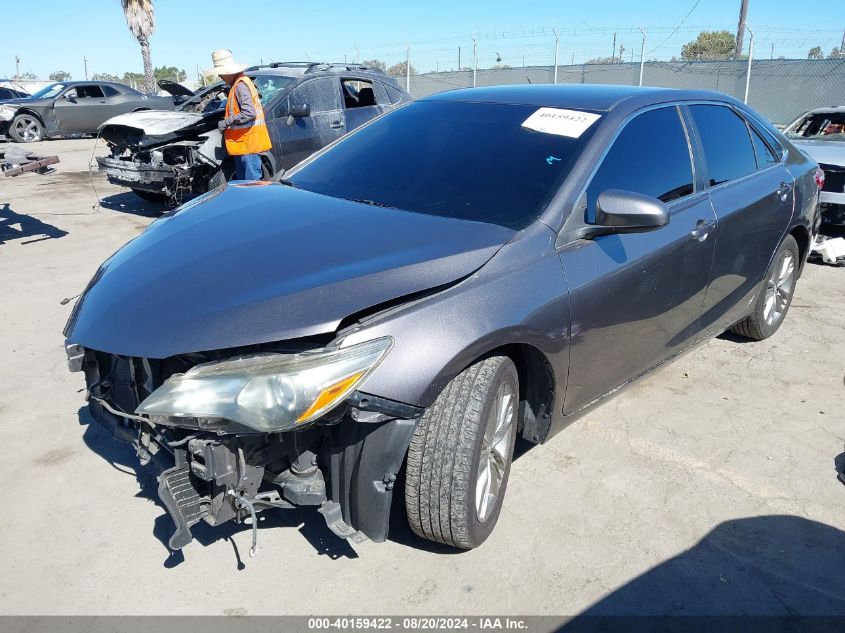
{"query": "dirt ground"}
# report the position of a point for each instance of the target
(708, 488)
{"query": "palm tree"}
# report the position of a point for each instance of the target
(141, 20)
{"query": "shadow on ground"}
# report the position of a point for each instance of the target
(27, 229)
(128, 202)
(768, 566)
(121, 456)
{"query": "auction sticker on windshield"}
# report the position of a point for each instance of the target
(562, 122)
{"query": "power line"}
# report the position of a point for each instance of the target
(676, 28)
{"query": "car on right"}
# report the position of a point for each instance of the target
(820, 134)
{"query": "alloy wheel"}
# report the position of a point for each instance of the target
(779, 288)
(27, 128)
(495, 449)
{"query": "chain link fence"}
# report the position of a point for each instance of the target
(780, 89)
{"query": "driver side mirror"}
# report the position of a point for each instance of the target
(70, 97)
(298, 111)
(619, 211)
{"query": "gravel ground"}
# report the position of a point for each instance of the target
(708, 488)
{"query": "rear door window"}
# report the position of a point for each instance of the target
(764, 155)
(393, 93)
(110, 92)
(726, 143)
(650, 156)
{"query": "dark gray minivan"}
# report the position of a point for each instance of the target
(472, 267)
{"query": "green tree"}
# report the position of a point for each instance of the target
(170, 72)
(815, 53)
(27, 75)
(836, 53)
(59, 75)
(602, 60)
(399, 70)
(140, 19)
(375, 63)
(104, 77)
(710, 45)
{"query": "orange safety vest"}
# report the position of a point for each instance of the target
(251, 138)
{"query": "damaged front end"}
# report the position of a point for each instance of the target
(164, 154)
(269, 427)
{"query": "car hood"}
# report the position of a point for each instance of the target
(249, 264)
(825, 152)
(149, 122)
(26, 101)
(175, 89)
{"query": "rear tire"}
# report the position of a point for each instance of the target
(775, 295)
(469, 431)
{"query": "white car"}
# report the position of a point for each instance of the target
(820, 134)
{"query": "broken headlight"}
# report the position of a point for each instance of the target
(268, 392)
(7, 112)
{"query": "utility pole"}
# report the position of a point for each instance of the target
(17, 67)
(407, 68)
(772, 56)
(740, 29)
(459, 57)
(557, 42)
(750, 55)
(613, 52)
(85, 62)
(642, 55)
(474, 59)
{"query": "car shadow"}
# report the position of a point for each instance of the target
(15, 226)
(741, 571)
(121, 457)
(128, 202)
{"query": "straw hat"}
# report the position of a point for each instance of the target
(224, 64)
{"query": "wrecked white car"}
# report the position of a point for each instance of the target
(165, 156)
(821, 135)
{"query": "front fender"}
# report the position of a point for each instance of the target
(519, 297)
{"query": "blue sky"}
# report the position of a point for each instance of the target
(518, 32)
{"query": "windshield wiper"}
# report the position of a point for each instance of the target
(287, 182)
(372, 203)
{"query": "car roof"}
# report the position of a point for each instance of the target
(830, 110)
(598, 97)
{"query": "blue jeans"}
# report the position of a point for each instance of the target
(248, 167)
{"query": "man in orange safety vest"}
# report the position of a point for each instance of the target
(244, 129)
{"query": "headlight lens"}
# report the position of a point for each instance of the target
(268, 392)
(7, 112)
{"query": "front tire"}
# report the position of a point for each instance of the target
(26, 128)
(775, 296)
(460, 456)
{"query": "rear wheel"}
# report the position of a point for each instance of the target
(460, 456)
(775, 296)
(26, 128)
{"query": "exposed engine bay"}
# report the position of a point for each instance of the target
(167, 155)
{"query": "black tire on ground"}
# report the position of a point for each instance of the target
(755, 326)
(26, 128)
(443, 458)
(150, 196)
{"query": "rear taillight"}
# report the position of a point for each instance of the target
(819, 178)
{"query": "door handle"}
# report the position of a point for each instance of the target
(337, 124)
(702, 230)
(783, 190)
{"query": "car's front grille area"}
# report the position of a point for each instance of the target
(834, 178)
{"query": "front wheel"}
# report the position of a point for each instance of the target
(775, 296)
(460, 456)
(26, 128)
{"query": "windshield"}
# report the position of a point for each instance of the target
(48, 91)
(819, 126)
(214, 98)
(475, 161)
